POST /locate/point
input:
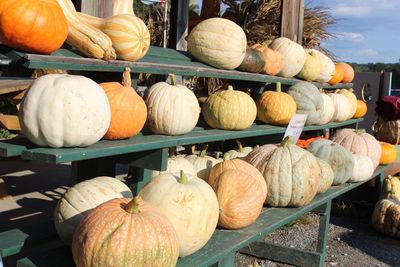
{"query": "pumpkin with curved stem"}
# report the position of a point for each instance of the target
(389, 153)
(361, 109)
(202, 163)
(253, 61)
(348, 72)
(128, 110)
(240, 153)
(342, 106)
(274, 61)
(337, 75)
(311, 68)
(327, 176)
(363, 168)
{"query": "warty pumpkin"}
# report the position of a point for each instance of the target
(337, 75)
(202, 163)
(128, 110)
(189, 203)
(329, 109)
(311, 68)
(327, 176)
(389, 153)
(229, 110)
(33, 26)
(352, 99)
(292, 174)
(327, 67)
(274, 61)
(80, 199)
(363, 168)
(276, 107)
(61, 110)
(348, 72)
(361, 109)
(342, 106)
(125, 232)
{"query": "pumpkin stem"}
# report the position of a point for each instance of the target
(226, 156)
(182, 178)
(295, 38)
(287, 141)
(230, 87)
(126, 77)
(173, 79)
(278, 87)
(337, 91)
(203, 152)
(240, 146)
(218, 154)
(359, 131)
(133, 205)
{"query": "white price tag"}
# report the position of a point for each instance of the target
(295, 126)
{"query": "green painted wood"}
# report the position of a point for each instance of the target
(153, 159)
(11, 242)
(323, 231)
(228, 260)
(25, 262)
(146, 141)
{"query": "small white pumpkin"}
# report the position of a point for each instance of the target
(176, 164)
(329, 109)
(240, 153)
(327, 67)
(203, 163)
(342, 107)
(363, 168)
(61, 110)
(171, 109)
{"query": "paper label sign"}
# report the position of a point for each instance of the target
(296, 126)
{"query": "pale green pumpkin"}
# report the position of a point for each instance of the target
(312, 67)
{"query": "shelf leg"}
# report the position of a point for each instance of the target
(87, 169)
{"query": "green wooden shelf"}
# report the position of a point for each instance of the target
(11, 242)
(157, 61)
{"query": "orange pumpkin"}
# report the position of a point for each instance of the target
(389, 153)
(304, 143)
(33, 26)
(337, 75)
(361, 109)
(273, 59)
(348, 72)
(128, 110)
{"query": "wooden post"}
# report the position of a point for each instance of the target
(292, 19)
(98, 8)
(179, 22)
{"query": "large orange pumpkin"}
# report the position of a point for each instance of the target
(389, 153)
(348, 72)
(33, 26)
(128, 109)
(361, 109)
(337, 75)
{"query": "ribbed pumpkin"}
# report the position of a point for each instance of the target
(329, 110)
(389, 153)
(218, 42)
(352, 99)
(293, 54)
(125, 232)
(337, 75)
(308, 101)
(241, 192)
(253, 61)
(341, 160)
(360, 143)
(292, 174)
(229, 110)
(327, 176)
(33, 26)
(363, 169)
(311, 68)
(80, 199)
(348, 72)
(327, 67)
(342, 106)
(176, 164)
(189, 203)
(274, 61)
(240, 153)
(276, 108)
(361, 109)
(202, 163)
(128, 110)
(172, 109)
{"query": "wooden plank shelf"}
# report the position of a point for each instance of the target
(142, 142)
(157, 61)
(13, 84)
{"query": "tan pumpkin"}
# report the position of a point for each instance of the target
(241, 191)
(125, 232)
(202, 163)
(172, 109)
(292, 174)
(311, 68)
(329, 109)
(189, 203)
(342, 106)
(274, 61)
(176, 164)
(327, 176)
(359, 142)
(348, 72)
(327, 67)
(229, 110)
(293, 54)
(363, 169)
(276, 108)
(352, 99)
(240, 153)
(218, 42)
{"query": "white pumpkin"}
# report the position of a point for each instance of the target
(329, 110)
(240, 153)
(218, 42)
(342, 107)
(171, 109)
(61, 110)
(293, 54)
(311, 68)
(189, 203)
(327, 176)
(80, 199)
(202, 164)
(327, 67)
(176, 164)
(363, 168)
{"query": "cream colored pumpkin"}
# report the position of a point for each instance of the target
(61, 110)
(189, 203)
(352, 99)
(363, 169)
(171, 109)
(80, 199)
(218, 42)
(327, 67)
(176, 164)
(327, 176)
(329, 110)
(342, 107)
(202, 164)
(240, 153)
(311, 68)
(293, 54)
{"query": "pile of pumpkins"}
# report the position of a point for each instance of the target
(45, 25)
(222, 43)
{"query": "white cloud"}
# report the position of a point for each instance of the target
(350, 36)
(367, 52)
(351, 11)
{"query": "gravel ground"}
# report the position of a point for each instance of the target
(352, 241)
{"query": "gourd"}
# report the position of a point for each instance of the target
(389, 153)
(276, 108)
(327, 67)
(33, 26)
(202, 163)
(189, 203)
(329, 109)
(172, 109)
(327, 176)
(253, 61)
(125, 232)
(274, 61)
(176, 164)
(229, 110)
(352, 99)
(241, 192)
(363, 168)
(308, 100)
(360, 143)
(218, 42)
(341, 160)
(337, 75)
(348, 72)
(342, 106)
(361, 109)
(61, 110)
(128, 110)
(240, 153)
(293, 54)
(85, 38)
(311, 68)
(292, 174)
(80, 199)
